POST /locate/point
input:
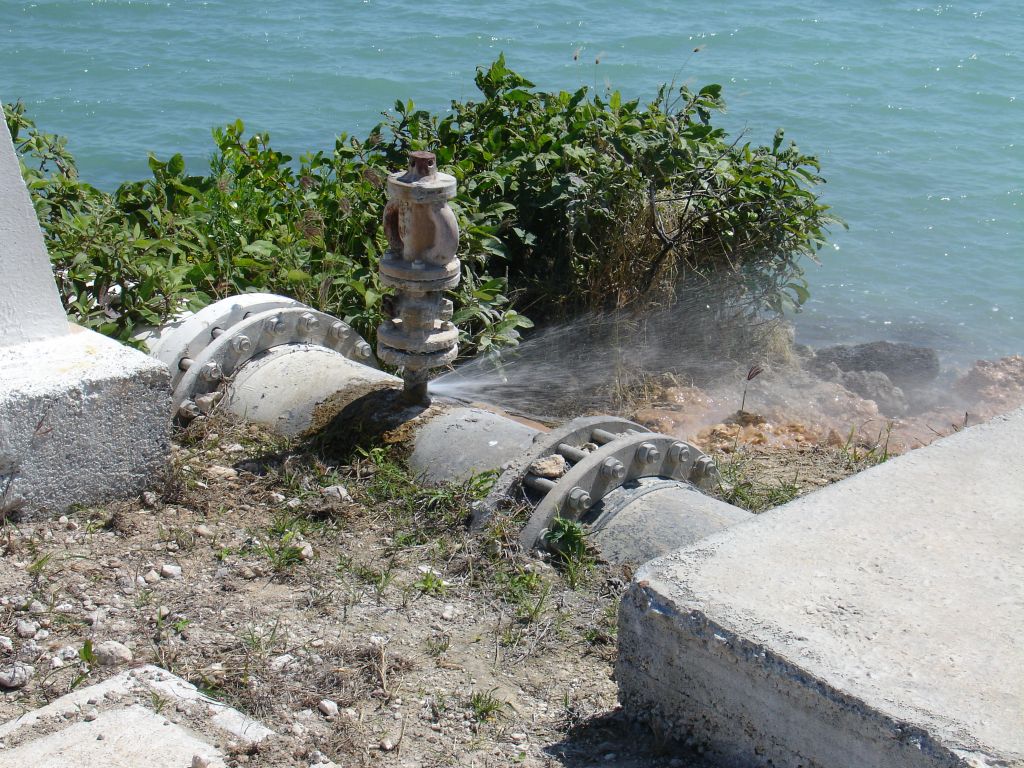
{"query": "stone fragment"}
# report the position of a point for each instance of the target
(552, 467)
(150, 499)
(15, 675)
(217, 472)
(170, 571)
(111, 653)
(151, 577)
(337, 492)
(328, 708)
(26, 629)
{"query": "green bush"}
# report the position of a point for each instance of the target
(578, 201)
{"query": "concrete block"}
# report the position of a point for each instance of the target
(83, 419)
(114, 724)
(873, 624)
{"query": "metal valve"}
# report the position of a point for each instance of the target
(420, 264)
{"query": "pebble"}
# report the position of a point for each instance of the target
(277, 498)
(201, 761)
(553, 466)
(218, 472)
(169, 571)
(203, 532)
(448, 614)
(162, 612)
(150, 499)
(151, 576)
(517, 738)
(306, 553)
(110, 653)
(16, 675)
(36, 607)
(328, 708)
(91, 715)
(387, 745)
(140, 581)
(26, 629)
(337, 492)
(294, 503)
(6, 644)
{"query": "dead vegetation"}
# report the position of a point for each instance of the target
(336, 600)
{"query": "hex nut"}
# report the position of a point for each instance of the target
(679, 452)
(363, 350)
(339, 330)
(211, 372)
(308, 322)
(648, 453)
(579, 499)
(613, 468)
(273, 325)
(241, 344)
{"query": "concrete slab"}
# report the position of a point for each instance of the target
(116, 723)
(875, 623)
(83, 419)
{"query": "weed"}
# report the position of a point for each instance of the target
(740, 487)
(438, 644)
(485, 706)
(861, 455)
(567, 539)
(431, 583)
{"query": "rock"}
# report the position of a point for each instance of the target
(999, 382)
(328, 708)
(517, 738)
(387, 745)
(26, 629)
(151, 577)
(36, 607)
(282, 662)
(294, 503)
(552, 467)
(206, 403)
(306, 553)
(217, 472)
(91, 715)
(448, 614)
(201, 761)
(6, 644)
(904, 364)
(111, 653)
(150, 500)
(203, 532)
(337, 492)
(169, 571)
(875, 385)
(15, 675)
(277, 498)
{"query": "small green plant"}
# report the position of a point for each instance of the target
(485, 706)
(431, 583)
(438, 645)
(567, 539)
(37, 568)
(86, 654)
(740, 486)
(861, 455)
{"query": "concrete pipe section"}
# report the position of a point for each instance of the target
(268, 359)
(277, 362)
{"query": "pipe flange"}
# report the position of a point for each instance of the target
(577, 433)
(186, 337)
(393, 334)
(257, 333)
(627, 457)
(416, 361)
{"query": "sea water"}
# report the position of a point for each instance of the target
(915, 110)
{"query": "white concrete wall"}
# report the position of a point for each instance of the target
(30, 308)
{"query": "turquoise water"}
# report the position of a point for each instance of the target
(916, 111)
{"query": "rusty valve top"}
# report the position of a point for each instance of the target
(420, 265)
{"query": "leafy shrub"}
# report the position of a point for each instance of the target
(578, 201)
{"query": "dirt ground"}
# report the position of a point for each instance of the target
(345, 607)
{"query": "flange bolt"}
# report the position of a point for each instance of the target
(579, 500)
(339, 330)
(241, 344)
(364, 350)
(308, 322)
(648, 453)
(703, 466)
(613, 468)
(211, 372)
(274, 325)
(679, 452)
